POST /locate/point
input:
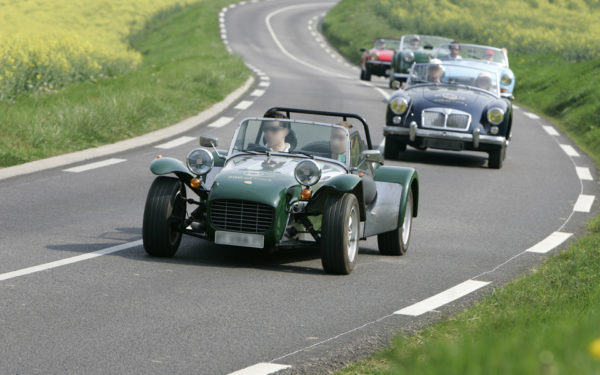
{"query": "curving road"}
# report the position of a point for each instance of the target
(98, 304)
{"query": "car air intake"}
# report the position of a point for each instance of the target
(241, 216)
(444, 118)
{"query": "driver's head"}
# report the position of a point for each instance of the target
(484, 81)
(414, 41)
(435, 71)
(454, 48)
(275, 132)
(337, 143)
(488, 55)
(380, 44)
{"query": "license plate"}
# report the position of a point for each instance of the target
(240, 239)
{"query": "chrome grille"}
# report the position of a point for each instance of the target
(445, 118)
(241, 216)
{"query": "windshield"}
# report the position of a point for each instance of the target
(448, 74)
(384, 43)
(416, 42)
(473, 52)
(310, 139)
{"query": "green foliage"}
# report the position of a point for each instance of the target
(185, 68)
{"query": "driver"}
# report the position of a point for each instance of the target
(488, 55)
(414, 41)
(275, 132)
(435, 71)
(337, 143)
(483, 81)
(454, 48)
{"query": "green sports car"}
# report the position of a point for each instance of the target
(285, 182)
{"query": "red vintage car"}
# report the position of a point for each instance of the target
(377, 61)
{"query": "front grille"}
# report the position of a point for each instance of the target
(241, 216)
(443, 118)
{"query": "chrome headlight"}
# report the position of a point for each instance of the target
(307, 172)
(506, 79)
(409, 56)
(399, 105)
(495, 116)
(200, 161)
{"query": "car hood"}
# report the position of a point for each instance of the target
(262, 179)
(383, 55)
(451, 97)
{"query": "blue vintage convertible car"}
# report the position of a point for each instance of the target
(449, 106)
(482, 57)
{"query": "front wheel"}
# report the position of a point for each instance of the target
(163, 216)
(496, 158)
(340, 234)
(396, 241)
(392, 148)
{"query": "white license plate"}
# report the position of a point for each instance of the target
(240, 239)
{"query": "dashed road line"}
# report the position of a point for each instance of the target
(71, 260)
(176, 142)
(263, 368)
(532, 116)
(549, 243)
(584, 173)
(220, 122)
(443, 298)
(244, 104)
(263, 84)
(98, 164)
(550, 130)
(257, 92)
(569, 150)
(584, 203)
(516, 106)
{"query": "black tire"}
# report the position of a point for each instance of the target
(392, 148)
(367, 74)
(340, 234)
(163, 216)
(362, 74)
(396, 242)
(496, 158)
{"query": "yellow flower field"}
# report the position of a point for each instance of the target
(570, 28)
(46, 44)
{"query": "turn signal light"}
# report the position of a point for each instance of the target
(195, 182)
(158, 156)
(305, 193)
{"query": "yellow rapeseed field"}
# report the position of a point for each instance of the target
(570, 28)
(46, 44)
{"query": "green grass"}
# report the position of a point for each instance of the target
(185, 69)
(542, 323)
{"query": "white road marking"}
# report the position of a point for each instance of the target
(265, 78)
(261, 369)
(71, 260)
(176, 142)
(220, 122)
(584, 173)
(584, 203)
(532, 116)
(98, 164)
(569, 150)
(516, 106)
(264, 84)
(244, 104)
(442, 298)
(549, 243)
(383, 93)
(257, 92)
(550, 130)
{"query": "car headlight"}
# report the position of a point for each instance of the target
(374, 57)
(399, 105)
(495, 116)
(494, 130)
(200, 161)
(409, 56)
(506, 79)
(307, 172)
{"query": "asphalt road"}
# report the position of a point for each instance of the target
(215, 310)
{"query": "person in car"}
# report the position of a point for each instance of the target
(435, 71)
(337, 142)
(454, 48)
(414, 41)
(277, 134)
(488, 55)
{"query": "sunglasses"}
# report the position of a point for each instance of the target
(272, 129)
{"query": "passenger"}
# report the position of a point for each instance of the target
(435, 71)
(337, 143)
(454, 48)
(488, 55)
(483, 81)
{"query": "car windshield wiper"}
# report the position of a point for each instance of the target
(302, 153)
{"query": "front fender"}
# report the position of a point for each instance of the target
(168, 165)
(345, 183)
(408, 178)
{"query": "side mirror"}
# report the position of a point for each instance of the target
(395, 85)
(207, 141)
(363, 50)
(372, 156)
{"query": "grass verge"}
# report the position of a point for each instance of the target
(544, 323)
(185, 69)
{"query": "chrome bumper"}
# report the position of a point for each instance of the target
(476, 138)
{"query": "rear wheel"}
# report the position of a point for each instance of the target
(340, 234)
(392, 148)
(496, 158)
(163, 216)
(396, 242)
(367, 74)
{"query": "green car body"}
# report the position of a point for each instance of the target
(255, 196)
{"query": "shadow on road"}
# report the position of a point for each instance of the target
(447, 158)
